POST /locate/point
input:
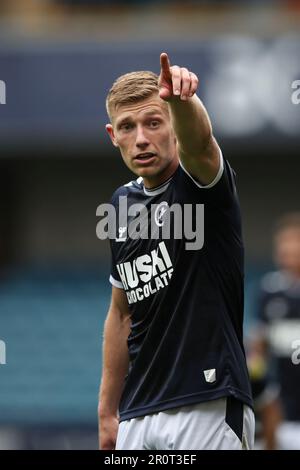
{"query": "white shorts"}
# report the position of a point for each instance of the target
(223, 424)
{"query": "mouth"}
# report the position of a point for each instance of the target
(145, 157)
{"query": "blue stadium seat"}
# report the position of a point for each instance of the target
(53, 336)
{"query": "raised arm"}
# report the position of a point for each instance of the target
(115, 368)
(197, 148)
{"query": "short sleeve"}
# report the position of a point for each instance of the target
(114, 277)
(215, 180)
(220, 192)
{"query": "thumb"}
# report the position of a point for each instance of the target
(165, 93)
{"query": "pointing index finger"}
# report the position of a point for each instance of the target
(165, 63)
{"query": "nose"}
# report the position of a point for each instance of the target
(141, 140)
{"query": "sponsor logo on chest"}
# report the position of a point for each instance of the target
(147, 274)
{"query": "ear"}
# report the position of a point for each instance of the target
(110, 130)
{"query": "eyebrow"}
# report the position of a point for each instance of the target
(147, 113)
(153, 111)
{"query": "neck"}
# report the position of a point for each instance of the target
(151, 182)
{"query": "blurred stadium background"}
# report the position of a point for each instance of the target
(58, 59)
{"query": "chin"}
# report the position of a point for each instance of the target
(146, 172)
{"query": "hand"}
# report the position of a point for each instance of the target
(108, 430)
(175, 81)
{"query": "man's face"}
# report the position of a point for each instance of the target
(144, 134)
(287, 250)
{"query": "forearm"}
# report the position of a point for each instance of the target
(115, 364)
(191, 124)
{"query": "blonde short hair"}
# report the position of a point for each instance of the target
(131, 88)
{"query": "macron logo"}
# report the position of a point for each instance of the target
(210, 375)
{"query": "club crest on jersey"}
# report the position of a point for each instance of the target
(122, 234)
(159, 213)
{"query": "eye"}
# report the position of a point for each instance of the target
(126, 126)
(154, 124)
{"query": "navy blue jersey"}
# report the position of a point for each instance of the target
(279, 310)
(186, 305)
